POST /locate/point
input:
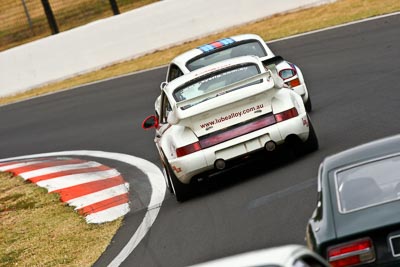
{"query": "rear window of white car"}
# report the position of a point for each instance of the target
(214, 81)
(368, 184)
(251, 48)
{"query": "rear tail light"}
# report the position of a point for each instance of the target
(294, 82)
(287, 114)
(185, 150)
(351, 253)
(287, 73)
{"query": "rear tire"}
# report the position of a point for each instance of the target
(312, 142)
(182, 191)
(167, 178)
(301, 148)
(308, 104)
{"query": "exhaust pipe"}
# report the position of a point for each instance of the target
(220, 164)
(270, 146)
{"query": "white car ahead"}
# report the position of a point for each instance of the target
(212, 117)
(240, 45)
(284, 256)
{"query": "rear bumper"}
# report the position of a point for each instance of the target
(202, 161)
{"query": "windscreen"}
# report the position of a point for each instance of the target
(368, 184)
(252, 48)
(204, 86)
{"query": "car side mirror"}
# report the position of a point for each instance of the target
(150, 122)
(163, 85)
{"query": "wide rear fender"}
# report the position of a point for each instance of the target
(285, 99)
(176, 136)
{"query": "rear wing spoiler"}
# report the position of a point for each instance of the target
(188, 108)
(185, 104)
(272, 61)
(270, 64)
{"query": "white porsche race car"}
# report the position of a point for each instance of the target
(208, 119)
(240, 45)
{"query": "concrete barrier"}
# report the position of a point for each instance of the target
(126, 36)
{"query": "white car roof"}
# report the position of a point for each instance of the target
(171, 86)
(271, 256)
(182, 59)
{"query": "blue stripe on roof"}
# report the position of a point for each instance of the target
(226, 41)
(208, 47)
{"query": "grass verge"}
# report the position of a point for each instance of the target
(271, 28)
(38, 230)
(15, 29)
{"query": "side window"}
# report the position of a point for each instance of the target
(173, 72)
(165, 108)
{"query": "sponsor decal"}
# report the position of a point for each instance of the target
(255, 109)
(219, 76)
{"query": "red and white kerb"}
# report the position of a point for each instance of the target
(97, 192)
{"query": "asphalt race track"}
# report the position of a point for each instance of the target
(352, 74)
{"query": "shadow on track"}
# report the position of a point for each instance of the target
(244, 170)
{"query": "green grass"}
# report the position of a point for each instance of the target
(38, 230)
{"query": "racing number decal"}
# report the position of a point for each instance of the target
(305, 122)
(176, 169)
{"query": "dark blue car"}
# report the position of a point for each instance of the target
(357, 219)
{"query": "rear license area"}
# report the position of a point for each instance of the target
(242, 148)
(394, 242)
(387, 245)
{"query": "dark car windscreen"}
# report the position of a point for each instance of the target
(252, 48)
(368, 184)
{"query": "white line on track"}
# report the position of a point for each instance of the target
(156, 180)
